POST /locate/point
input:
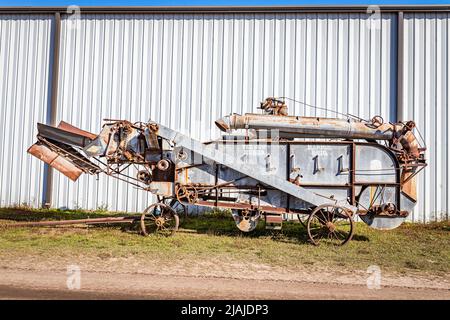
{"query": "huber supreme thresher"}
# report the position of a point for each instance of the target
(323, 171)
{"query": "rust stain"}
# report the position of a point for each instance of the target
(162, 188)
(54, 160)
(410, 187)
(70, 128)
(274, 218)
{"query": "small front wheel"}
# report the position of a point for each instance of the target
(330, 223)
(160, 218)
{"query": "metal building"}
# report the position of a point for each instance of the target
(186, 67)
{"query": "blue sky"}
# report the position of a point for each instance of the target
(208, 2)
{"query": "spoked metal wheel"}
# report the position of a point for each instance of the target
(160, 218)
(179, 208)
(303, 219)
(330, 223)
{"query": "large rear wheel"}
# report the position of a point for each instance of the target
(303, 219)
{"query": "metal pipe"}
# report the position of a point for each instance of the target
(400, 66)
(73, 222)
(312, 127)
(56, 32)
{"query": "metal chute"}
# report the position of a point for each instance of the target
(57, 146)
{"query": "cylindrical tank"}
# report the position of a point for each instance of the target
(313, 127)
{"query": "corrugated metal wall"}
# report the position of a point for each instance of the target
(25, 42)
(426, 100)
(185, 71)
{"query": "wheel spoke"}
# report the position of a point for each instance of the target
(329, 217)
(342, 233)
(339, 235)
(321, 233)
(335, 236)
(323, 221)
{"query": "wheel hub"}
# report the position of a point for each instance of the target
(160, 221)
(331, 227)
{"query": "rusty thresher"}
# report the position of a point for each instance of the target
(270, 166)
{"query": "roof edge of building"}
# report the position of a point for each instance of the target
(231, 9)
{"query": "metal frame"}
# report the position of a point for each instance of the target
(350, 186)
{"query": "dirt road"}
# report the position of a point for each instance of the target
(37, 284)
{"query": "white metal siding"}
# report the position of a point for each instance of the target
(426, 81)
(187, 70)
(24, 84)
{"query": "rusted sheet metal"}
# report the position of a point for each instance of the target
(409, 187)
(162, 188)
(70, 128)
(56, 161)
(410, 144)
(67, 168)
(120, 141)
(151, 137)
(274, 218)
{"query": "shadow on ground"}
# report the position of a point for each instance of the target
(224, 225)
(220, 223)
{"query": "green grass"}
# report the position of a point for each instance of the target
(423, 248)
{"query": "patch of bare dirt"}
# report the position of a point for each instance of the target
(106, 277)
